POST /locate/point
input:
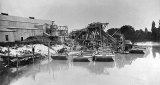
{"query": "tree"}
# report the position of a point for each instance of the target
(153, 29)
(128, 31)
(112, 30)
(146, 30)
(158, 32)
(159, 24)
(153, 25)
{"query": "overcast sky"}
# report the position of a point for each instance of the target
(77, 14)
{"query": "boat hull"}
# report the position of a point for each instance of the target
(59, 57)
(103, 58)
(137, 51)
(82, 59)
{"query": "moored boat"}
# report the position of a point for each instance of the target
(62, 56)
(138, 50)
(84, 56)
(104, 55)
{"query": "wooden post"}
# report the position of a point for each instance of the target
(17, 60)
(33, 49)
(48, 50)
(17, 66)
(8, 55)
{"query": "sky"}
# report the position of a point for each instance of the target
(77, 14)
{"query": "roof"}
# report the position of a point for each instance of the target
(6, 30)
(10, 29)
(24, 19)
(24, 28)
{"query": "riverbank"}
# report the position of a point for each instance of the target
(21, 55)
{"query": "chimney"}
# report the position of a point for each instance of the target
(31, 17)
(5, 14)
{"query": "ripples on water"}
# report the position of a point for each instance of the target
(126, 69)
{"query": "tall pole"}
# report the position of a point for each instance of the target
(33, 49)
(48, 50)
(100, 36)
(17, 62)
(8, 55)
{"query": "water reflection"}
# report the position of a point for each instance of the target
(100, 67)
(13, 74)
(50, 68)
(95, 67)
(156, 50)
(126, 59)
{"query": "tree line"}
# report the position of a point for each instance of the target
(138, 35)
(155, 31)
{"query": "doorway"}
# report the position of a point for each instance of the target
(21, 38)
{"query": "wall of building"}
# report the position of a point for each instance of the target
(23, 27)
(10, 36)
(26, 27)
(25, 33)
(54, 33)
(16, 23)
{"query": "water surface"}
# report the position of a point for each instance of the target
(126, 69)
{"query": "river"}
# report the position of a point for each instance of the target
(126, 69)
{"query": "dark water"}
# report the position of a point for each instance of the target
(126, 69)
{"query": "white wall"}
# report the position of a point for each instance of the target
(25, 33)
(16, 36)
(10, 36)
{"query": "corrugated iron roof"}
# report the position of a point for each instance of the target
(23, 19)
(6, 30)
(24, 28)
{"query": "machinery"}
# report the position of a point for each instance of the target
(94, 36)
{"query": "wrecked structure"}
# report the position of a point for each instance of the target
(95, 36)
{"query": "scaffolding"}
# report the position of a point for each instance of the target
(94, 36)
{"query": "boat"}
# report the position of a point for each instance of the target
(125, 52)
(103, 55)
(138, 50)
(60, 56)
(84, 56)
